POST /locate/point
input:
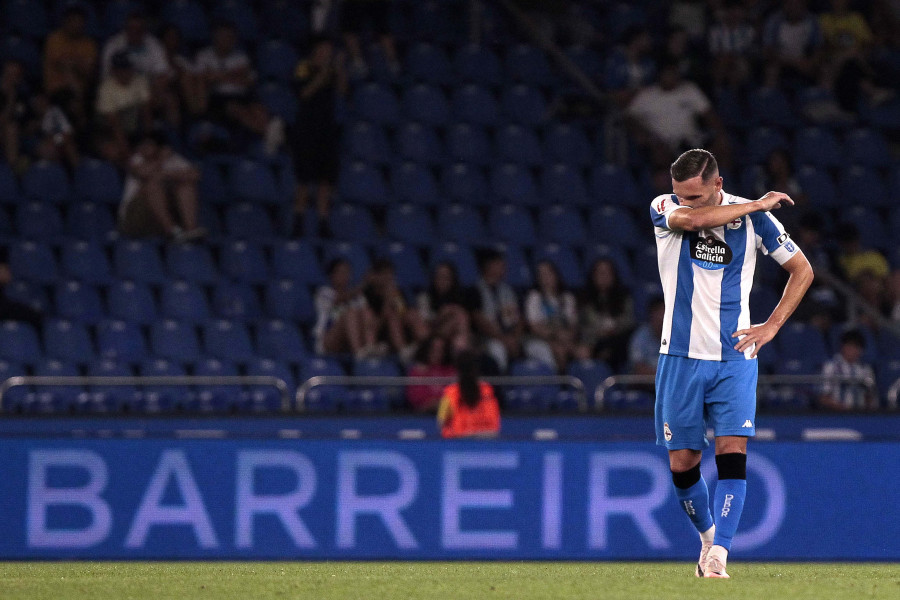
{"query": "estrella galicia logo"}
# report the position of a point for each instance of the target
(710, 253)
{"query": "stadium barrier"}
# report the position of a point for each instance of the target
(430, 500)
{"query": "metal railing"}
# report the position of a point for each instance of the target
(403, 381)
(765, 381)
(153, 380)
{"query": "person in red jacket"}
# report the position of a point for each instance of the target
(469, 407)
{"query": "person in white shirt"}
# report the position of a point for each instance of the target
(551, 314)
(848, 363)
(123, 108)
(226, 70)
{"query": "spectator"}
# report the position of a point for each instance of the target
(643, 347)
(469, 407)
(70, 60)
(792, 46)
(678, 49)
(228, 74)
(344, 322)
(432, 360)
(184, 76)
(11, 310)
(123, 108)
(145, 51)
(15, 111)
(397, 324)
(606, 315)
(552, 315)
(356, 15)
(496, 317)
(157, 177)
(855, 259)
(445, 305)
(847, 363)
(630, 67)
(56, 139)
(732, 45)
(315, 138)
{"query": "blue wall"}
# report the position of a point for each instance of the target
(232, 498)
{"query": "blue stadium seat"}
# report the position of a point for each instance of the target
(227, 340)
(56, 399)
(468, 144)
(409, 223)
(191, 262)
(518, 269)
(426, 104)
(280, 340)
(6, 227)
(97, 181)
(280, 19)
(867, 148)
(356, 254)
(414, 183)
(460, 256)
(120, 341)
(362, 183)
(465, 184)
(266, 398)
(14, 396)
(798, 341)
(33, 261)
(527, 64)
(174, 340)
(46, 181)
(279, 101)
(254, 182)
(511, 223)
(289, 300)
(563, 257)
(863, 186)
(38, 221)
(619, 257)
(30, 294)
(564, 184)
(615, 225)
(770, 106)
(591, 373)
(818, 186)
(156, 399)
(244, 261)
(19, 342)
(525, 105)
(110, 398)
(375, 399)
(190, 19)
(131, 301)
(89, 221)
(419, 143)
(353, 224)
(238, 301)
(887, 372)
(762, 302)
(26, 17)
(516, 144)
(86, 262)
(183, 301)
(408, 267)
(68, 341)
(366, 142)
(376, 103)
(78, 302)
(212, 189)
(562, 225)
(587, 59)
(296, 260)
(612, 184)
(324, 398)
(461, 224)
(276, 61)
(531, 397)
(248, 221)
(568, 144)
(476, 105)
(9, 186)
(115, 13)
(873, 231)
(761, 142)
(818, 147)
(214, 398)
(515, 184)
(21, 48)
(477, 64)
(428, 63)
(138, 260)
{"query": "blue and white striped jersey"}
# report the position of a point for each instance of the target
(707, 275)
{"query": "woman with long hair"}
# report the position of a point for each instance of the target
(469, 407)
(606, 315)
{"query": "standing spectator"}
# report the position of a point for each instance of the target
(838, 395)
(227, 72)
(732, 44)
(70, 60)
(792, 46)
(606, 315)
(431, 361)
(315, 138)
(123, 108)
(397, 324)
(643, 347)
(157, 176)
(344, 322)
(445, 305)
(469, 408)
(552, 315)
(356, 15)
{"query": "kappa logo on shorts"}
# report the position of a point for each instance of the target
(667, 433)
(747, 423)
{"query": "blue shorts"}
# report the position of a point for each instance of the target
(693, 395)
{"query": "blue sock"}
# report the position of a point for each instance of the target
(730, 493)
(693, 497)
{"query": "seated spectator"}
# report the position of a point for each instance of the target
(398, 325)
(469, 408)
(183, 73)
(445, 304)
(315, 138)
(227, 72)
(855, 259)
(123, 108)
(643, 347)
(852, 395)
(56, 136)
(552, 315)
(432, 360)
(344, 321)
(11, 310)
(70, 60)
(606, 315)
(157, 177)
(792, 46)
(15, 112)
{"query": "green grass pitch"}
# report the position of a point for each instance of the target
(441, 580)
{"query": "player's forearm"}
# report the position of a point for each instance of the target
(801, 277)
(707, 217)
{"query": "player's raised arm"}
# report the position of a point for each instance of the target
(705, 217)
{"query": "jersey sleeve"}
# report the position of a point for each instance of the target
(771, 237)
(661, 208)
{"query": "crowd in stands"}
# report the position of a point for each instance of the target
(377, 135)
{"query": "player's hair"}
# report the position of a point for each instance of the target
(694, 162)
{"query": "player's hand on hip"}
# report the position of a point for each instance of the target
(760, 335)
(773, 200)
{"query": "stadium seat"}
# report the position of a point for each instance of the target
(97, 181)
(461, 224)
(426, 104)
(611, 184)
(174, 340)
(614, 225)
(818, 147)
(519, 145)
(110, 398)
(239, 14)
(138, 260)
(761, 142)
(131, 301)
(459, 256)
(296, 260)
(20, 343)
(156, 398)
(26, 17)
(353, 224)
(465, 184)
(89, 221)
(375, 399)
(288, 300)
(356, 254)
(183, 301)
(46, 181)
(376, 103)
(190, 19)
(68, 341)
(362, 183)
(21, 48)
(414, 183)
(818, 186)
(531, 397)
(568, 144)
(511, 223)
(525, 105)
(212, 189)
(419, 143)
(867, 148)
(85, 261)
(280, 340)
(366, 142)
(475, 105)
(409, 223)
(276, 61)
(121, 341)
(246, 221)
(279, 101)
(408, 267)
(518, 269)
(566, 263)
(214, 398)
(191, 262)
(38, 221)
(562, 225)
(78, 302)
(28, 293)
(769, 106)
(244, 261)
(237, 301)
(512, 183)
(428, 63)
(800, 342)
(591, 373)
(266, 398)
(9, 186)
(863, 186)
(527, 64)
(34, 262)
(115, 13)
(281, 20)
(468, 144)
(564, 184)
(14, 396)
(323, 398)
(227, 340)
(477, 64)
(54, 399)
(873, 231)
(254, 181)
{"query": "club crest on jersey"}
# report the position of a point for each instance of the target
(667, 433)
(736, 224)
(710, 253)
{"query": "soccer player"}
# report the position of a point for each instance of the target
(706, 242)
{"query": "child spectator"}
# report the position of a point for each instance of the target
(552, 314)
(431, 361)
(469, 407)
(839, 395)
(606, 315)
(344, 322)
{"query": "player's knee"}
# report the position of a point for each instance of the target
(732, 465)
(685, 479)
